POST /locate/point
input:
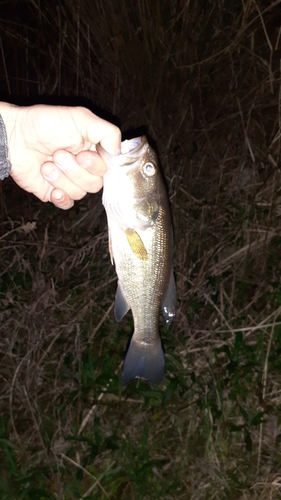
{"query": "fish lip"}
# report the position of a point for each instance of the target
(131, 156)
(141, 141)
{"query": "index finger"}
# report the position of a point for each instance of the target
(96, 129)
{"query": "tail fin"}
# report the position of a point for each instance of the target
(144, 361)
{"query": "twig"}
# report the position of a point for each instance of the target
(97, 482)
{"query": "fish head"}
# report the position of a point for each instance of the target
(145, 179)
(132, 184)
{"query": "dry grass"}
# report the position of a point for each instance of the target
(204, 79)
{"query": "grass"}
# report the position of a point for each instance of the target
(204, 79)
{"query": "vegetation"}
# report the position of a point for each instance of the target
(203, 78)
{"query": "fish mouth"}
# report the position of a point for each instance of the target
(131, 151)
(129, 145)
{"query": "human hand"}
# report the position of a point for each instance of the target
(52, 150)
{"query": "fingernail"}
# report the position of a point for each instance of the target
(66, 207)
(111, 149)
(51, 175)
(58, 196)
(113, 152)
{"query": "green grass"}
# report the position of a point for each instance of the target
(204, 79)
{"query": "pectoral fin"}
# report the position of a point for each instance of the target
(136, 244)
(170, 301)
(120, 307)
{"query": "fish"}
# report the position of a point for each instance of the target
(140, 236)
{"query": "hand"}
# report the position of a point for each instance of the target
(52, 150)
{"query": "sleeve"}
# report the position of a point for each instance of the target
(5, 164)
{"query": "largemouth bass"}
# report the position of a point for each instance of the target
(141, 247)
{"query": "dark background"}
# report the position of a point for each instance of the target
(203, 80)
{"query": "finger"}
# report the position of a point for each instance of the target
(98, 130)
(112, 143)
(92, 161)
(84, 170)
(60, 199)
(57, 179)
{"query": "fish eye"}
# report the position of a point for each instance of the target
(149, 169)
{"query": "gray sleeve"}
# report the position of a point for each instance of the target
(5, 164)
